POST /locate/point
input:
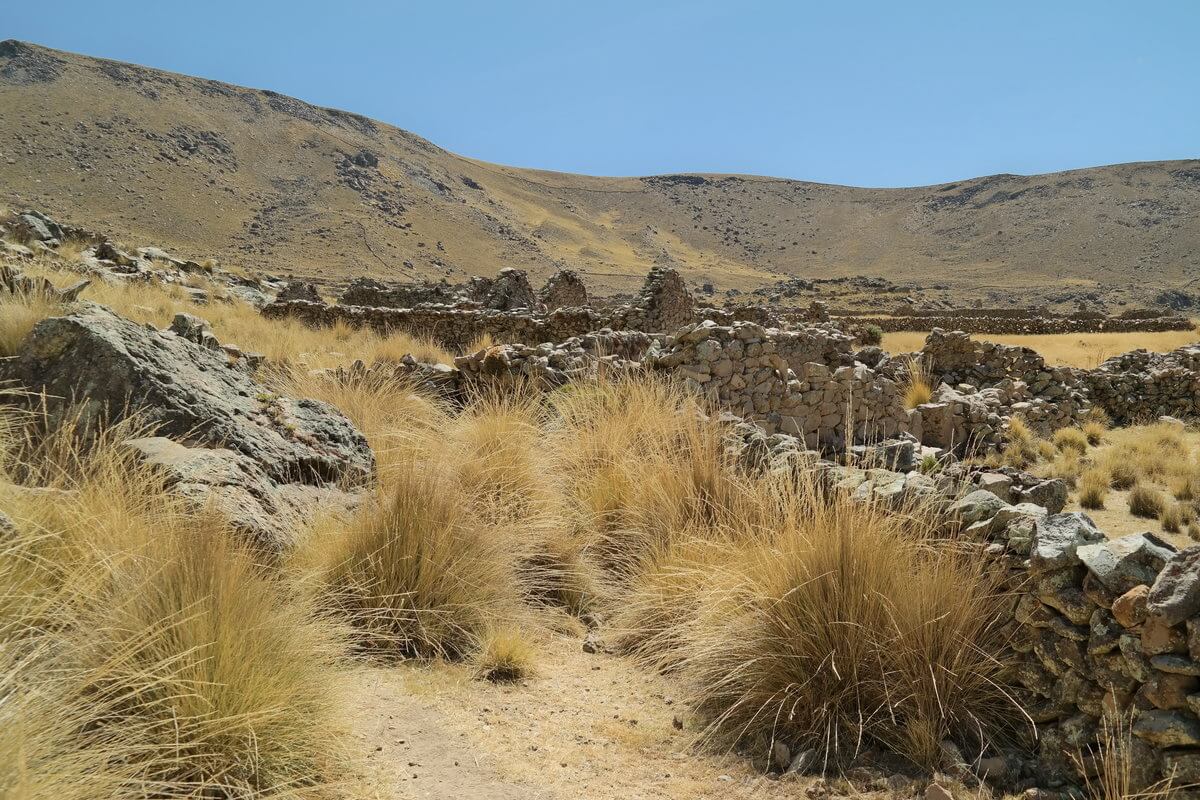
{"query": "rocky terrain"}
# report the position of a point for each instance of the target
(264, 181)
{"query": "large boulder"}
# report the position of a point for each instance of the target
(111, 366)
(1175, 595)
(1121, 564)
(1057, 539)
(267, 513)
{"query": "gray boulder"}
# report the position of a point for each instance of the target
(1175, 594)
(1121, 564)
(1051, 495)
(110, 366)
(977, 506)
(1057, 539)
(267, 513)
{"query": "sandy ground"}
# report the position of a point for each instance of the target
(1114, 519)
(593, 726)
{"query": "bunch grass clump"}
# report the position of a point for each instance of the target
(1145, 501)
(1093, 488)
(1071, 439)
(918, 386)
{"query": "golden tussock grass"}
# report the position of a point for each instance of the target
(1071, 439)
(506, 655)
(841, 623)
(18, 314)
(1176, 516)
(1145, 501)
(151, 652)
(413, 572)
(1094, 432)
(1093, 488)
(918, 387)
(1110, 771)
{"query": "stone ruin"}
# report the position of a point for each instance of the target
(565, 289)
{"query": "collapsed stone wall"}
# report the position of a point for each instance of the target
(1141, 385)
(564, 289)
(1048, 397)
(664, 305)
(370, 292)
(1015, 325)
(454, 328)
(1105, 632)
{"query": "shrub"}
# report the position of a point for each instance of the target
(1145, 501)
(870, 335)
(1093, 488)
(1071, 439)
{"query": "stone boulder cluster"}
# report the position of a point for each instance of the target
(265, 460)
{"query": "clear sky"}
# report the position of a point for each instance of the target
(865, 93)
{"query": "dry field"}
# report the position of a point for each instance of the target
(1086, 350)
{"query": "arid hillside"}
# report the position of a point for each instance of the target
(266, 181)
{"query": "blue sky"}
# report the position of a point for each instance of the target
(863, 93)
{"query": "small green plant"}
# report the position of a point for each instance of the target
(871, 335)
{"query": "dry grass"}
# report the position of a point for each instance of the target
(1087, 350)
(414, 572)
(918, 387)
(1022, 447)
(505, 656)
(845, 624)
(1109, 771)
(1094, 432)
(1071, 439)
(284, 342)
(153, 657)
(1093, 488)
(1146, 501)
(18, 315)
(1176, 516)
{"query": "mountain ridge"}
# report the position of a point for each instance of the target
(267, 181)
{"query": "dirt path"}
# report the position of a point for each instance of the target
(590, 726)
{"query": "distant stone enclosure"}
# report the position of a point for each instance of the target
(798, 373)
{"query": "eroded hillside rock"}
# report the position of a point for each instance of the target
(110, 366)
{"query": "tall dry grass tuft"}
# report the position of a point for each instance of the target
(498, 455)
(414, 572)
(918, 387)
(642, 462)
(824, 623)
(1146, 501)
(1109, 771)
(18, 314)
(148, 644)
(1022, 447)
(1093, 488)
(1071, 439)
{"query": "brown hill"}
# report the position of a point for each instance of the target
(267, 181)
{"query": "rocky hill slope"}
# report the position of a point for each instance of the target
(267, 181)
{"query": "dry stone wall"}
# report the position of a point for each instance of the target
(1141, 385)
(1011, 324)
